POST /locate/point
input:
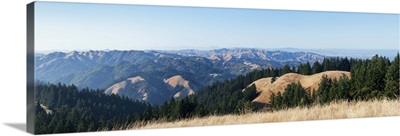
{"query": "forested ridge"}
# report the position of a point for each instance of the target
(83, 110)
(375, 78)
(77, 110)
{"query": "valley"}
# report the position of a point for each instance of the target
(102, 67)
(112, 70)
(174, 95)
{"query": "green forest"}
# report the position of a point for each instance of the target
(376, 78)
(81, 110)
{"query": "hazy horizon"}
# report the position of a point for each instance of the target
(273, 49)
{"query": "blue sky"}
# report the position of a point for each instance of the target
(77, 26)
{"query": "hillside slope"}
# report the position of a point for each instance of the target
(311, 82)
(103, 69)
(152, 90)
(80, 67)
(142, 88)
(179, 85)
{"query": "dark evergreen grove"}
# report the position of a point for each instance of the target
(83, 110)
(374, 78)
(80, 110)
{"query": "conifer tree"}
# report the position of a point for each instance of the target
(273, 79)
(333, 91)
(300, 69)
(306, 69)
(279, 101)
(376, 72)
(316, 68)
(344, 87)
(272, 101)
(286, 69)
(345, 64)
(323, 89)
(392, 79)
(294, 69)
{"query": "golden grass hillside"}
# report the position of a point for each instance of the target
(335, 110)
(308, 82)
(176, 81)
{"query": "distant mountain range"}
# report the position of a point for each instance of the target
(353, 53)
(157, 75)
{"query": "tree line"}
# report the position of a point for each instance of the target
(375, 78)
(75, 110)
(79, 110)
(229, 97)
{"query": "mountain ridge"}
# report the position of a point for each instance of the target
(103, 69)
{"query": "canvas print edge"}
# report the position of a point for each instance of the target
(30, 69)
(28, 74)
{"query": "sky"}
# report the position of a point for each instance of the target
(79, 26)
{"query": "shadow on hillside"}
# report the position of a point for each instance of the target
(261, 105)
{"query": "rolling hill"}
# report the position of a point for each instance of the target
(180, 86)
(110, 69)
(311, 82)
(151, 89)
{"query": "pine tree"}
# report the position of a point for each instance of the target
(345, 64)
(344, 87)
(327, 64)
(294, 69)
(333, 91)
(300, 69)
(286, 69)
(148, 113)
(40, 119)
(250, 93)
(316, 68)
(279, 101)
(165, 110)
(173, 115)
(272, 102)
(358, 75)
(297, 91)
(273, 79)
(392, 79)
(323, 89)
(376, 72)
(306, 69)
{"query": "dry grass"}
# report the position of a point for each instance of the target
(333, 111)
(310, 82)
